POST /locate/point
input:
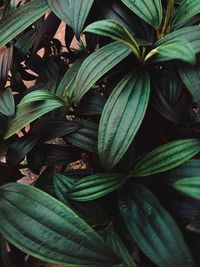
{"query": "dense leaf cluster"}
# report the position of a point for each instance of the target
(122, 103)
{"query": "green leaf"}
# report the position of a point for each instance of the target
(96, 186)
(122, 117)
(65, 88)
(114, 30)
(20, 19)
(89, 211)
(150, 11)
(85, 137)
(186, 10)
(190, 34)
(43, 227)
(40, 95)
(7, 102)
(98, 64)
(190, 75)
(189, 186)
(174, 49)
(72, 12)
(28, 111)
(118, 246)
(152, 228)
(167, 157)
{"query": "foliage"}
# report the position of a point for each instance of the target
(122, 103)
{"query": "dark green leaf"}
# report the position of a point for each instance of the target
(189, 186)
(174, 49)
(167, 157)
(186, 10)
(160, 239)
(65, 88)
(190, 34)
(86, 137)
(72, 12)
(98, 64)
(122, 117)
(114, 30)
(20, 19)
(96, 186)
(7, 102)
(150, 11)
(191, 78)
(89, 211)
(118, 246)
(28, 112)
(4, 256)
(43, 227)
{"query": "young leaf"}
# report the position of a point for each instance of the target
(189, 34)
(150, 11)
(191, 78)
(43, 227)
(167, 157)
(7, 102)
(96, 186)
(186, 10)
(117, 245)
(160, 239)
(72, 12)
(174, 49)
(20, 19)
(189, 186)
(98, 64)
(85, 137)
(122, 117)
(114, 30)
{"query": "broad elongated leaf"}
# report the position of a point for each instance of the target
(186, 10)
(65, 88)
(61, 127)
(174, 49)
(97, 64)
(189, 186)
(45, 228)
(118, 246)
(191, 78)
(72, 12)
(167, 157)
(86, 136)
(7, 103)
(160, 239)
(6, 57)
(89, 211)
(122, 117)
(150, 11)
(190, 34)
(40, 95)
(20, 19)
(116, 31)
(28, 112)
(20, 148)
(96, 186)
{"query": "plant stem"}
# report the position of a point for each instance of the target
(170, 6)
